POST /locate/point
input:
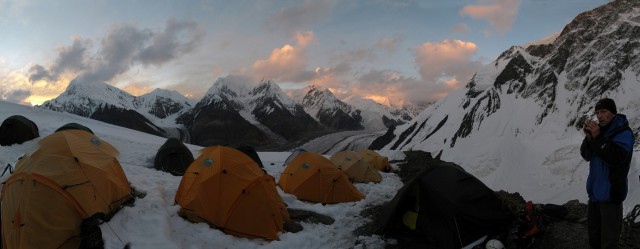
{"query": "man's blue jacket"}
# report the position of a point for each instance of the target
(609, 157)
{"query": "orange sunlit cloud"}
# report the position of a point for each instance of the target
(449, 58)
(287, 63)
(138, 89)
(500, 13)
(283, 64)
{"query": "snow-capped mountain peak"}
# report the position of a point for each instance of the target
(269, 89)
(162, 103)
(83, 98)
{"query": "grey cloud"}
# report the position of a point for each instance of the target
(300, 17)
(412, 89)
(389, 44)
(361, 54)
(123, 47)
(178, 38)
(301, 76)
(16, 96)
(38, 72)
(72, 57)
(68, 58)
(117, 53)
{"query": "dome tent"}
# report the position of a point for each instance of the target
(173, 157)
(356, 167)
(312, 177)
(232, 209)
(72, 177)
(74, 126)
(381, 163)
(17, 129)
(293, 155)
(452, 209)
(251, 152)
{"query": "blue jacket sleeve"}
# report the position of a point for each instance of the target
(585, 152)
(613, 151)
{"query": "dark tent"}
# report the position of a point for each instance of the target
(453, 209)
(74, 126)
(251, 152)
(173, 157)
(17, 129)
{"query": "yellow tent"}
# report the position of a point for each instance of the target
(72, 176)
(227, 189)
(312, 177)
(356, 167)
(378, 162)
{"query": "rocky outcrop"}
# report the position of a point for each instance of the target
(126, 118)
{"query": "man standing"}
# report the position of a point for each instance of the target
(607, 146)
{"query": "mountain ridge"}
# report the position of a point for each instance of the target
(261, 109)
(513, 109)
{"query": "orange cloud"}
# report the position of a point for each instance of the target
(499, 13)
(449, 58)
(137, 89)
(283, 64)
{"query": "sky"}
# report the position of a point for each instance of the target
(394, 52)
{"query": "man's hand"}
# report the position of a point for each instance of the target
(587, 132)
(592, 129)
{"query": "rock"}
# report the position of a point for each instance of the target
(309, 216)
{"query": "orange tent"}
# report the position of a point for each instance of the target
(312, 177)
(356, 167)
(227, 189)
(378, 162)
(72, 176)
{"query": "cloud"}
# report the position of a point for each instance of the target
(302, 16)
(444, 67)
(14, 9)
(16, 96)
(447, 59)
(138, 88)
(460, 28)
(392, 87)
(70, 58)
(389, 44)
(330, 77)
(123, 47)
(38, 72)
(499, 13)
(178, 38)
(359, 54)
(386, 86)
(304, 39)
(288, 63)
(16, 87)
(285, 64)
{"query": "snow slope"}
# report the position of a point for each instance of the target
(153, 222)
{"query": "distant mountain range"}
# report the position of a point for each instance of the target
(233, 112)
